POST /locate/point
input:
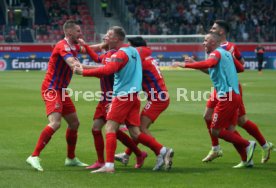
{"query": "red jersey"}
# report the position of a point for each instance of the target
(59, 73)
(107, 81)
(152, 77)
(232, 48)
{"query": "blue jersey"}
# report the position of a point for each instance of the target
(224, 75)
(129, 78)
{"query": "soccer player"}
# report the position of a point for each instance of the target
(125, 105)
(222, 28)
(57, 78)
(260, 57)
(106, 83)
(153, 85)
(222, 71)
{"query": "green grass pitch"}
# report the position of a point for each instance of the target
(180, 127)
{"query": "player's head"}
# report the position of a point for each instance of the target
(137, 41)
(72, 30)
(211, 42)
(220, 27)
(105, 43)
(116, 36)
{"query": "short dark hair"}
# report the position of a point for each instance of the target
(119, 32)
(69, 24)
(223, 24)
(137, 41)
(215, 36)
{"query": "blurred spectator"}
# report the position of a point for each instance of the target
(249, 20)
(104, 6)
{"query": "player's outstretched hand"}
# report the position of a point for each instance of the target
(189, 59)
(78, 69)
(178, 64)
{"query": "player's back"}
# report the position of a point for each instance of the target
(59, 73)
(232, 48)
(152, 77)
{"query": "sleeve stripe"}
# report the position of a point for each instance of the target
(67, 55)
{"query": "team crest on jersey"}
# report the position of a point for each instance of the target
(67, 48)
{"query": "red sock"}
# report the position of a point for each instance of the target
(110, 148)
(44, 138)
(128, 151)
(253, 130)
(71, 138)
(99, 144)
(233, 138)
(215, 141)
(128, 142)
(149, 142)
(240, 149)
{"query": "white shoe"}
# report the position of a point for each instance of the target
(164, 159)
(168, 159)
(250, 150)
(104, 169)
(34, 162)
(244, 164)
(74, 162)
(122, 157)
(266, 152)
(213, 155)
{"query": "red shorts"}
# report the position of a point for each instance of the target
(125, 110)
(54, 102)
(226, 111)
(101, 111)
(154, 108)
(212, 102)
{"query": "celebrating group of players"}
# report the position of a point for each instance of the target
(127, 69)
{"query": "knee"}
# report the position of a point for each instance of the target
(143, 129)
(74, 125)
(96, 127)
(215, 132)
(55, 125)
(242, 120)
(134, 132)
(207, 116)
(110, 129)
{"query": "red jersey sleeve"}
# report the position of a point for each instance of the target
(92, 54)
(118, 61)
(238, 65)
(64, 51)
(212, 61)
(236, 53)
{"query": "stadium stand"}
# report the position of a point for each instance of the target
(251, 21)
(43, 22)
(58, 11)
(2, 16)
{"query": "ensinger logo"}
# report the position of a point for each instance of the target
(3, 64)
